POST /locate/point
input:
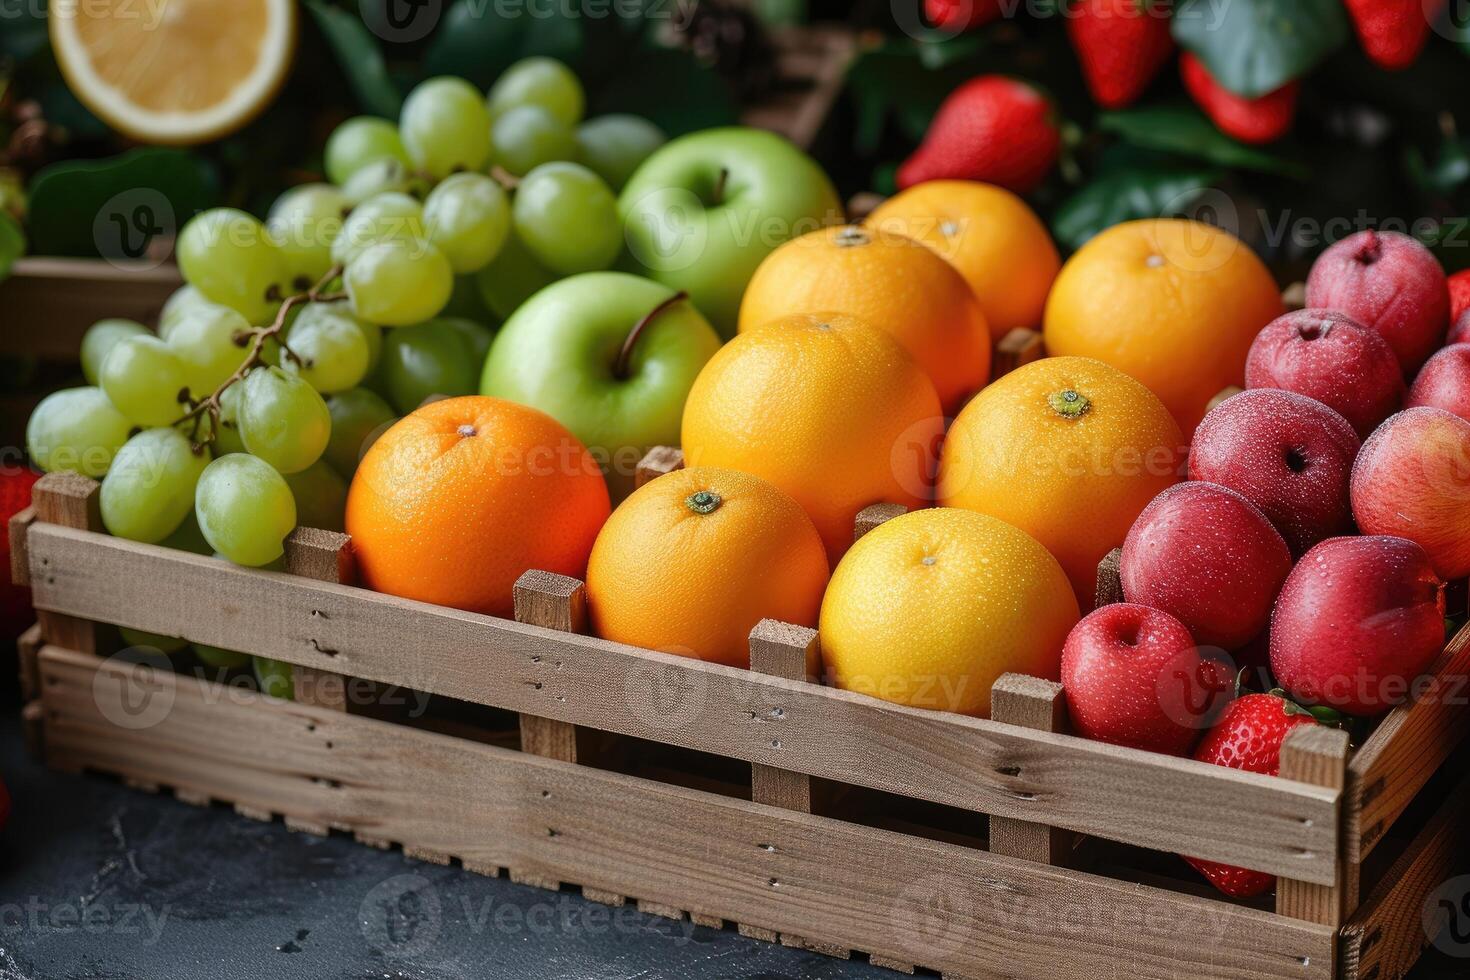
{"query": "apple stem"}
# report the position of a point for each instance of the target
(620, 369)
(719, 192)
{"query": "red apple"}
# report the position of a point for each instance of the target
(1133, 676)
(1390, 282)
(1412, 479)
(1444, 382)
(1460, 332)
(1210, 558)
(1358, 621)
(1333, 358)
(1288, 454)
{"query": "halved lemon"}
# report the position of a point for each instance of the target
(174, 71)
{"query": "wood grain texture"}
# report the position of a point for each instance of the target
(1134, 797)
(27, 648)
(1019, 347)
(1407, 748)
(74, 501)
(945, 907)
(69, 295)
(1317, 755)
(1109, 579)
(656, 462)
(782, 650)
(1029, 702)
(873, 515)
(20, 563)
(1386, 936)
(323, 556)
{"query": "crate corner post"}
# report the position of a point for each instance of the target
(1318, 755)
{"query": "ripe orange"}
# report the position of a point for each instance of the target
(890, 281)
(989, 235)
(1173, 303)
(460, 497)
(828, 408)
(1067, 449)
(930, 608)
(693, 560)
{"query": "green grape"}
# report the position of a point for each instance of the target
(332, 346)
(204, 340)
(227, 255)
(303, 223)
(359, 416)
(219, 658)
(100, 338)
(75, 430)
(514, 277)
(543, 82)
(180, 301)
(321, 497)
(568, 218)
(227, 439)
(613, 146)
(283, 421)
(245, 509)
(383, 177)
(153, 641)
(396, 283)
(393, 216)
(360, 141)
(144, 379)
(149, 490)
(527, 136)
(445, 127)
(468, 218)
(275, 678)
(465, 300)
(187, 537)
(433, 358)
(477, 335)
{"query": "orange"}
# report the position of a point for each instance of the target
(692, 561)
(1067, 449)
(1174, 303)
(991, 238)
(460, 497)
(827, 408)
(892, 282)
(930, 608)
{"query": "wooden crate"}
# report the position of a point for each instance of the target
(801, 813)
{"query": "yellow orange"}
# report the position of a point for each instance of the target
(989, 235)
(693, 560)
(1067, 449)
(1174, 303)
(828, 408)
(460, 497)
(930, 608)
(890, 281)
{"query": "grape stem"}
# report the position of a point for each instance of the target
(255, 339)
(620, 369)
(507, 180)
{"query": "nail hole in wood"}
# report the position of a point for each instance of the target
(775, 883)
(778, 712)
(325, 651)
(775, 743)
(1008, 770)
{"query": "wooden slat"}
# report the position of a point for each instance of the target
(20, 562)
(1385, 937)
(60, 298)
(1135, 797)
(323, 556)
(73, 501)
(782, 650)
(1019, 347)
(1317, 755)
(1109, 579)
(1029, 702)
(27, 648)
(959, 910)
(873, 515)
(658, 461)
(1407, 748)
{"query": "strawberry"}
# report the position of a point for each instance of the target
(1248, 736)
(1121, 45)
(962, 15)
(1393, 32)
(991, 128)
(1459, 294)
(15, 600)
(1259, 120)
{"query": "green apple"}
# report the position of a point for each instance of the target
(609, 355)
(703, 211)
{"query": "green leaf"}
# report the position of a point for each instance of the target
(475, 43)
(1127, 192)
(359, 58)
(1256, 46)
(114, 207)
(12, 243)
(942, 53)
(1449, 171)
(1185, 131)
